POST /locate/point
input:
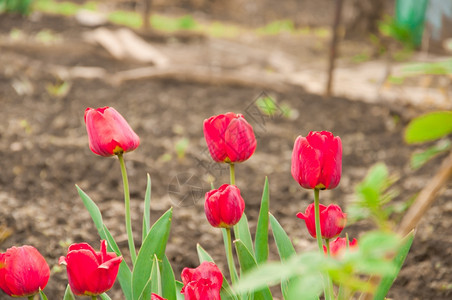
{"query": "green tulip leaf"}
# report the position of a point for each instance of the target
(261, 239)
(154, 244)
(429, 127)
(387, 281)
(285, 249)
(147, 209)
(248, 263)
(242, 232)
(168, 280)
(42, 296)
(104, 296)
(156, 280)
(179, 286)
(124, 273)
(68, 295)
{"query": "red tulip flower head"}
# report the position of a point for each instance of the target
(202, 283)
(109, 133)
(332, 220)
(23, 271)
(224, 207)
(90, 273)
(229, 137)
(317, 160)
(340, 244)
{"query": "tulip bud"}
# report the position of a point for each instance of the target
(109, 133)
(23, 271)
(340, 244)
(202, 283)
(224, 207)
(317, 160)
(229, 137)
(89, 272)
(332, 220)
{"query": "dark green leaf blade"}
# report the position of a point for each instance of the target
(261, 239)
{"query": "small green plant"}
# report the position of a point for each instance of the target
(22, 7)
(58, 89)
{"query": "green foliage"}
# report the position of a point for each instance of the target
(22, 7)
(154, 244)
(370, 258)
(432, 68)
(242, 232)
(261, 238)
(418, 159)
(372, 197)
(168, 281)
(42, 296)
(387, 281)
(147, 209)
(181, 147)
(390, 28)
(429, 127)
(276, 27)
(68, 295)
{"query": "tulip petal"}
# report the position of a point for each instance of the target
(240, 141)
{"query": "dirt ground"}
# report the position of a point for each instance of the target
(45, 153)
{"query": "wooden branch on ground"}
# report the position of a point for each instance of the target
(333, 47)
(426, 197)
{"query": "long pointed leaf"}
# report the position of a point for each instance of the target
(42, 296)
(154, 244)
(147, 209)
(248, 263)
(68, 295)
(156, 280)
(387, 281)
(285, 251)
(179, 286)
(124, 274)
(261, 239)
(104, 296)
(242, 232)
(168, 280)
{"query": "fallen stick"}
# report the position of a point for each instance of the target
(426, 197)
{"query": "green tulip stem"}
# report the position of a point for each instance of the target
(318, 232)
(328, 288)
(327, 243)
(232, 173)
(230, 258)
(125, 181)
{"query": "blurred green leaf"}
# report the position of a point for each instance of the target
(181, 147)
(429, 127)
(42, 296)
(154, 244)
(387, 281)
(420, 158)
(431, 68)
(179, 286)
(285, 250)
(261, 239)
(104, 296)
(372, 196)
(248, 263)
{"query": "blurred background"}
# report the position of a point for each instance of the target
(359, 68)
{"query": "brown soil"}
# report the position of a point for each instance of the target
(45, 152)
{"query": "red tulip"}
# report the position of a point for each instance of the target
(332, 220)
(317, 160)
(89, 272)
(202, 283)
(23, 271)
(224, 207)
(339, 244)
(229, 137)
(156, 297)
(109, 133)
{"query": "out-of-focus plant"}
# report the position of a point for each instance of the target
(181, 147)
(22, 7)
(429, 127)
(58, 89)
